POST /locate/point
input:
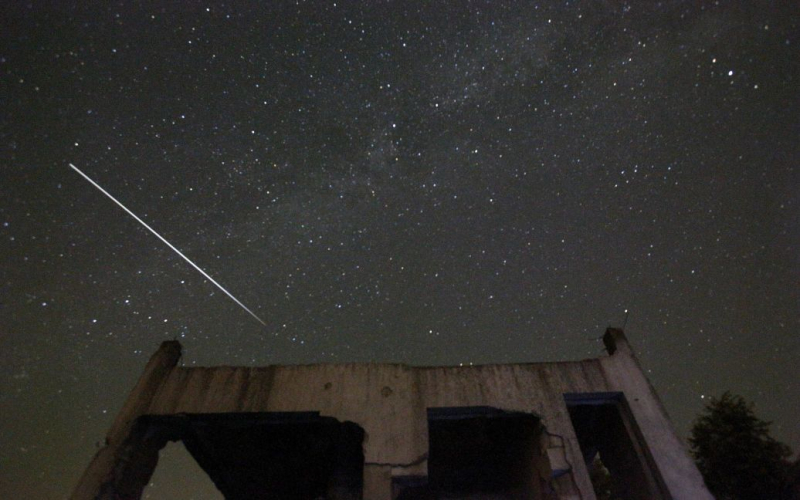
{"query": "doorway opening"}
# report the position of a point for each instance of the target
(178, 476)
(280, 456)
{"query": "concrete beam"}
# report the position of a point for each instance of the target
(101, 469)
(623, 372)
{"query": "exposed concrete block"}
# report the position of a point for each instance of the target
(615, 340)
(558, 461)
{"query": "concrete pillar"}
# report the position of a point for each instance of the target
(101, 470)
(680, 476)
(377, 482)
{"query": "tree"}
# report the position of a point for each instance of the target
(735, 453)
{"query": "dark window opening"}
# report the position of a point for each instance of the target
(279, 456)
(618, 462)
(479, 452)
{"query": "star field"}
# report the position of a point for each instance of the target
(427, 183)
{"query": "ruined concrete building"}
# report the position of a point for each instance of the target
(390, 431)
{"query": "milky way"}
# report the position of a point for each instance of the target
(439, 183)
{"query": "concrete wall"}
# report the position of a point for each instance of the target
(390, 402)
(624, 374)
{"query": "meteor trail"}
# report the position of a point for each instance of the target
(168, 244)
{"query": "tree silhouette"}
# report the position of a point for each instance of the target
(735, 453)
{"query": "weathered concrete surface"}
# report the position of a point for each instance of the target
(625, 375)
(390, 402)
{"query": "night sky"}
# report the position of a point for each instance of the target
(427, 183)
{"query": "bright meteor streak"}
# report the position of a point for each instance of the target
(168, 244)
